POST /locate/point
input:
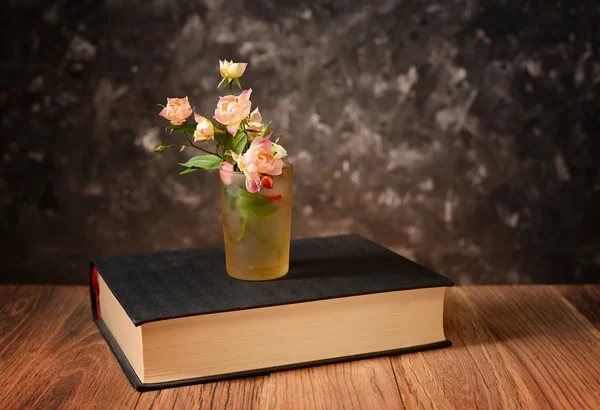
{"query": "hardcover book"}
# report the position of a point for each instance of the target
(176, 318)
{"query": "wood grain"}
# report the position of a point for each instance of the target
(59, 360)
(585, 298)
(546, 339)
(30, 313)
(476, 373)
(365, 384)
(513, 347)
(249, 393)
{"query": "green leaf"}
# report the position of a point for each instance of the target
(239, 143)
(188, 170)
(220, 137)
(254, 206)
(224, 82)
(204, 162)
(237, 81)
(160, 148)
(182, 128)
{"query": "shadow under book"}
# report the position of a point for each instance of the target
(175, 318)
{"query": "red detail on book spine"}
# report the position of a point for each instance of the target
(96, 289)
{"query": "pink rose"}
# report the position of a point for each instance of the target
(231, 110)
(256, 161)
(177, 110)
(229, 69)
(255, 124)
(255, 120)
(226, 173)
(204, 129)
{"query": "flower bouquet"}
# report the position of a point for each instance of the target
(256, 185)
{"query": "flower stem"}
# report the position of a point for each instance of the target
(197, 147)
(243, 230)
(178, 145)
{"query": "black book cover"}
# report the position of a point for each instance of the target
(165, 285)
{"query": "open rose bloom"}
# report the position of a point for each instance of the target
(231, 110)
(258, 161)
(256, 185)
(177, 110)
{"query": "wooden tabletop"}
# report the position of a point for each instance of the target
(513, 347)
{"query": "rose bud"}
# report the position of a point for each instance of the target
(229, 69)
(267, 182)
(204, 129)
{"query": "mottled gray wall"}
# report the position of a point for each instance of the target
(460, 133)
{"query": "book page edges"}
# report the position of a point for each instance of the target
(240, 341)
(126, 334)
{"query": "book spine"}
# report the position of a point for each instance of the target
(95, 292)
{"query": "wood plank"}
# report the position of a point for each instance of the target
(476, 372)
(249, 393)
(18, 306)
(585, 298)
(28, 323)
(364, 384)
(514, 347)
(62, 360)
(547, 339)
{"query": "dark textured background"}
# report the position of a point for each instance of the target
(460, 133)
